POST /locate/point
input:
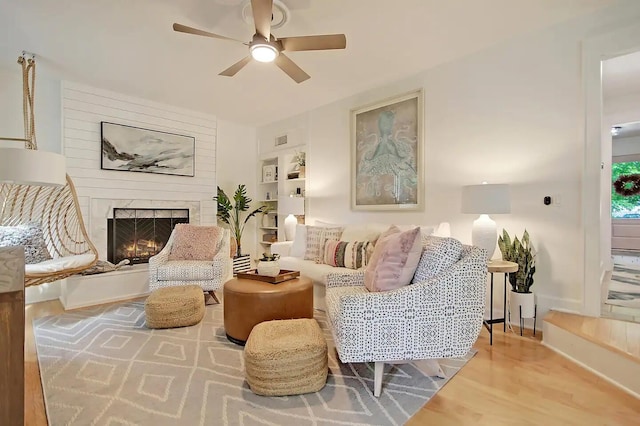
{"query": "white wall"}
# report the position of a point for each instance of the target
(47, 108)
(237, 156)
(510, 114)
(85, 107)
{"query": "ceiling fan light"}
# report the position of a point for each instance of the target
(263, 52)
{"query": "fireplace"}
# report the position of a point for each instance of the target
(138, 234)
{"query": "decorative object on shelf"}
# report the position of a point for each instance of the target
(521, 299)
(485, 199)
(266, 220)
(27, 165)
(386, 154)
(268, 265)
(134, 149)
(292, 207)
(269, 173)
(301, 160)
(270, 237)
(231, 213)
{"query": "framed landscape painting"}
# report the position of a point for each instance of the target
(386, 154)
(134, 149)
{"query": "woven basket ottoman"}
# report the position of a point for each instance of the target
(286, 357)
(178, 306)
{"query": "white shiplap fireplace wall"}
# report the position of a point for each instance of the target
(83, 108)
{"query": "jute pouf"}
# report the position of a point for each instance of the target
(286, 357)
(178, 306)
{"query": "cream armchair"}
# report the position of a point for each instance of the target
(208, 274)
(440, 317)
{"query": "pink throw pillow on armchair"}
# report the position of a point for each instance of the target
(192, 242)
(394, 260)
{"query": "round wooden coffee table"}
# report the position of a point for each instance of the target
(250, 302)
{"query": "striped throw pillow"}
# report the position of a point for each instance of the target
(347, 254)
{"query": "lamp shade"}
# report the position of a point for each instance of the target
(291, 205)
(486, 199)
(32, 167)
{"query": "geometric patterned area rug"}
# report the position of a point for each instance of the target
(624, 288)
(102, 366)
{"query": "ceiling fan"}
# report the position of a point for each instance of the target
(264, 47)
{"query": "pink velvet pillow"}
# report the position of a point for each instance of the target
(193, 242)
(394, 260)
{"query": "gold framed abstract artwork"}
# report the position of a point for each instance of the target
(387, 153)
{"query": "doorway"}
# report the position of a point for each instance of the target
(621, 97)
(621, 298)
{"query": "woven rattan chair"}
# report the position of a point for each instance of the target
(56, 211)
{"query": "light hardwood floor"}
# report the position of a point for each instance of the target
(517, 381)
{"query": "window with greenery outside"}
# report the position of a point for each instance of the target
(625, 190)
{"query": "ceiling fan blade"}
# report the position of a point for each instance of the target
(190, 30)
(315, 42)
(233, 69)
(262, 12)
(290, 68)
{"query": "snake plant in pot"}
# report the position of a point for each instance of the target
(522, 253)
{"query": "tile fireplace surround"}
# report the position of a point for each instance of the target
(129, 282)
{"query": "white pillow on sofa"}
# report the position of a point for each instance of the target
(299, 245)
(443, 230)
(299, 242)
(363, 231)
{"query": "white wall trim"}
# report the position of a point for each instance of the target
(594, 51)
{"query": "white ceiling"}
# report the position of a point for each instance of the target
(627, 130)
(128, 46)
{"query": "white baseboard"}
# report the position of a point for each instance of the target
(80, 291)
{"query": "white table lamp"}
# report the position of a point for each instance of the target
(292, 207)
(484, 200)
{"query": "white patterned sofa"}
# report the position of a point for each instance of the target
(438, 316)
(292, 252)
(209, 274)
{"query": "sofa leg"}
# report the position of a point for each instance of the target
(432, 368)
(213, 294)
(377, 385)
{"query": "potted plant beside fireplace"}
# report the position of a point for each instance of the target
(235, 212)
(522, 299)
